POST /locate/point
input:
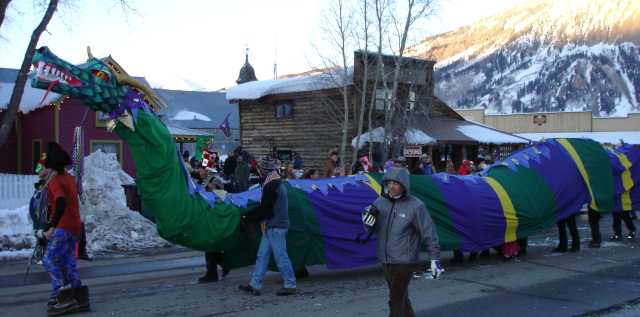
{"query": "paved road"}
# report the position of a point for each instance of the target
(593, 282)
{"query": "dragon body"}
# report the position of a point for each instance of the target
(514, 198)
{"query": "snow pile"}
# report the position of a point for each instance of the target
(109, 224)
(16, 233)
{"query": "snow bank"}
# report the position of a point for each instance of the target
(109, 224)
(15, 231)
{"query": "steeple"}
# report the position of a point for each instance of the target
(247, 73)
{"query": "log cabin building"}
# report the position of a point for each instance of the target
(304, 114)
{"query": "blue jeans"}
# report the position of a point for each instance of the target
(273, 239)
(60, 261)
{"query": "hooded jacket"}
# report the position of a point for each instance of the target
(403, 224)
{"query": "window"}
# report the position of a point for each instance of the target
(284, 110)
(383, 99)
(107, 146)
(36, 150)
(411, 102)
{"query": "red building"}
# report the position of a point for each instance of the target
(54, 120)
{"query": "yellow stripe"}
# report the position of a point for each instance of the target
(374, 185)
(507, 209)
(627, 181)
(576, 158)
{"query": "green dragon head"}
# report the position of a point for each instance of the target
(100, 83)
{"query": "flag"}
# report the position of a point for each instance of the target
(224, 126)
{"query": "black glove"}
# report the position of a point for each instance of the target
(370, 215)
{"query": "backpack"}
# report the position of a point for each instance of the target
(38, 208)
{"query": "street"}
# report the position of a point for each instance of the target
(592, 282)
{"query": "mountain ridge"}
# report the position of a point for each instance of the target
(545, 55)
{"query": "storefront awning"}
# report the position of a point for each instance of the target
(448, 131)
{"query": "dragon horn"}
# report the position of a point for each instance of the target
(127, 120)
(89, 55)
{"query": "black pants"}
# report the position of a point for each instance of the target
(562, 233)
(594, 224)
(398, 277)
(213, 259)
(625, 216)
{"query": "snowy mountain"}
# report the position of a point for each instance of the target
(543, 55)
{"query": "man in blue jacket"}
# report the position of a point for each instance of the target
(403, 224)
(274, 205)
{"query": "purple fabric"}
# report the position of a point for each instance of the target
(475, 212)
(633, 154)
(339, 217)
(568, 199)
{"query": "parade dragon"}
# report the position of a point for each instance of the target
(519, 196)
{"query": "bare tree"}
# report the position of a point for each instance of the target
(18, 88)
(363, 94)
(338, 28)
(3, 9)
(414, 11)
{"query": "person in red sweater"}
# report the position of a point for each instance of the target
(466, 167)
(62, 232)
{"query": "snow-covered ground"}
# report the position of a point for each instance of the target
(111, 227)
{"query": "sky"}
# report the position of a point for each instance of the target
(199, 44)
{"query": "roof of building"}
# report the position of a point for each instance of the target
(609, 137)
(247, 73)
(316, 81)
(448, 131)
(198, 109)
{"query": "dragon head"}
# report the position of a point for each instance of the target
(101, 83)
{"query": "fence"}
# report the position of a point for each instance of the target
(16, 190)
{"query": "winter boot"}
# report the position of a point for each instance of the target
(249, 289)
(82, 297)
(66, 303)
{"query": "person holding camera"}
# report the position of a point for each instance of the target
(402, 224)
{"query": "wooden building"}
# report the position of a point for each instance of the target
(304, 114)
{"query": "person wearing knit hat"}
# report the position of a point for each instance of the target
(274, 205)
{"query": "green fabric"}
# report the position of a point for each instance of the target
(531, 197)
(181, 218)
(598, 166)
(425, 189)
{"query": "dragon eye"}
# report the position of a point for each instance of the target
(100, 74)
